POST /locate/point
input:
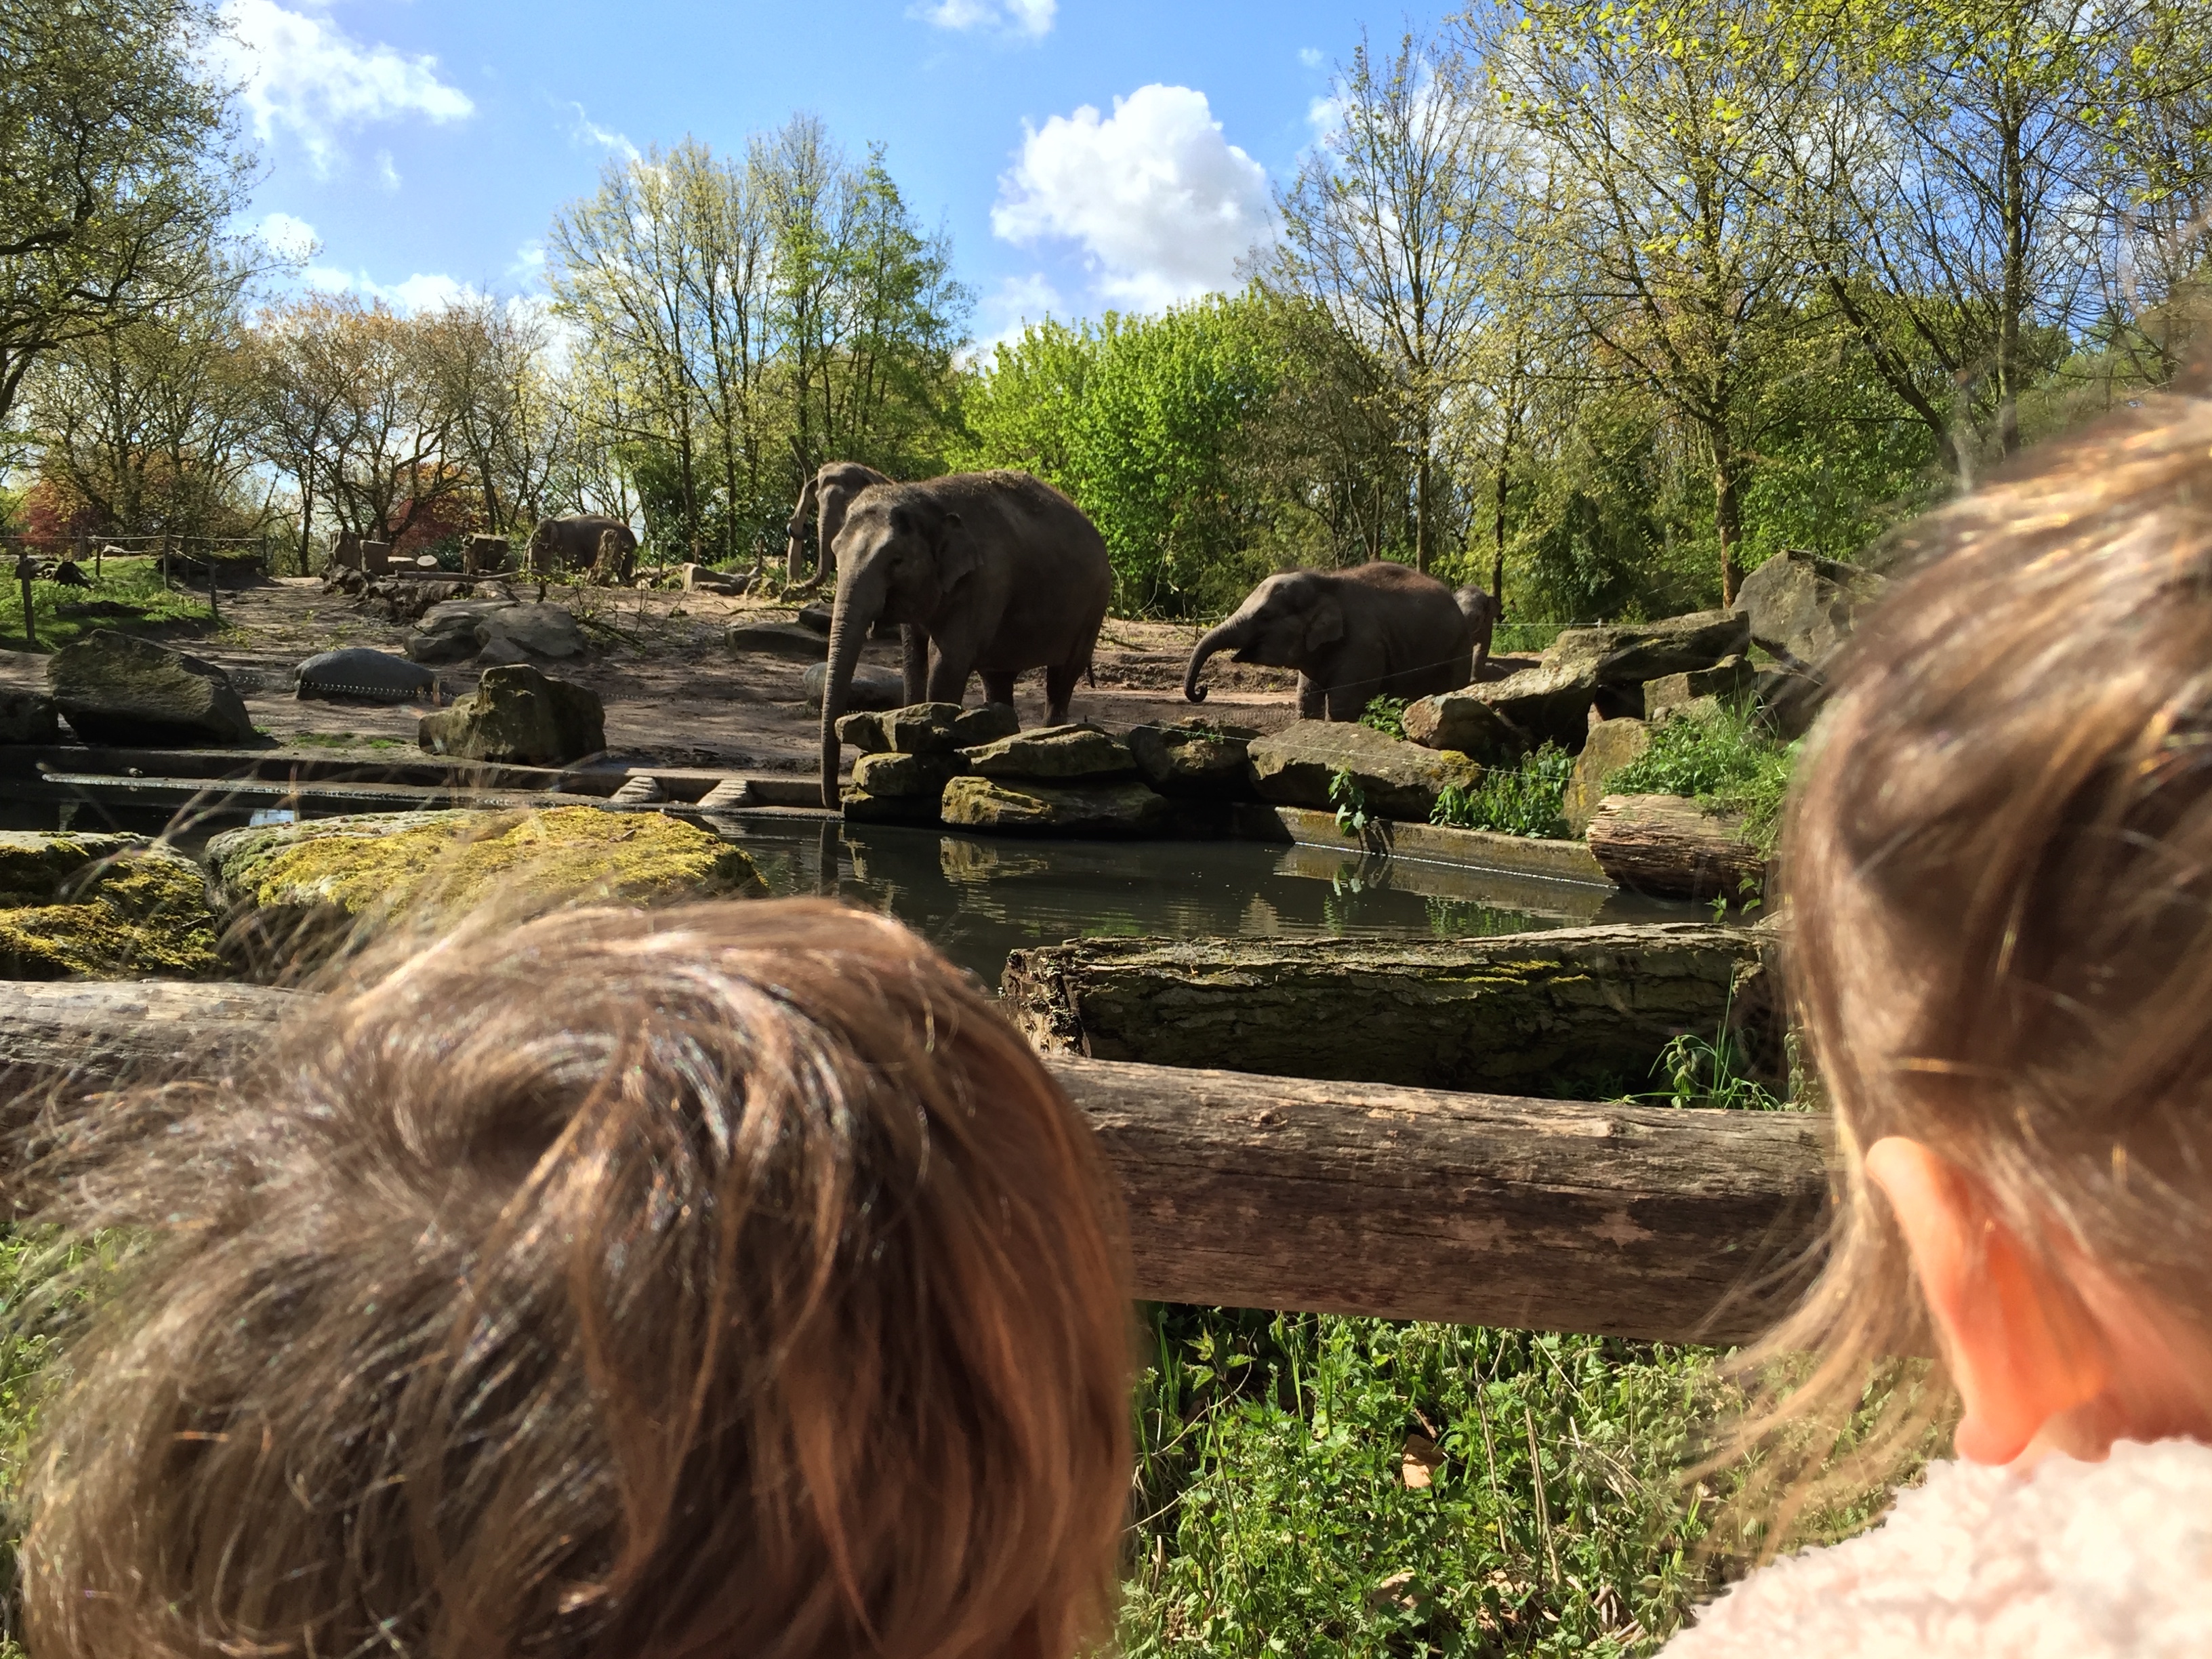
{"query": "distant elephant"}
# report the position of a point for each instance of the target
(993, 573)
(1376, 631)
(571, 543)
(829, 492)
(1481, 610)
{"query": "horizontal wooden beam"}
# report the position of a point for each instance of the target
(1272, 1192)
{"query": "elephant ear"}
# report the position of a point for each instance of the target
(1324, 623)
(957, 555)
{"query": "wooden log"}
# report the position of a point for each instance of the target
(1270, 1191)
(1669, 847)
(1581, 1012)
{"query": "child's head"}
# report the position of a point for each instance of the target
(1999, 871)
(726, 1280)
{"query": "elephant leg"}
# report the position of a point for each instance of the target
(914, 661)
(998, 685)
(1312, 704)
(1059, 691)
(948, 676)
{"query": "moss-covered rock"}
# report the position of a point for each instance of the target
(292, 895)
(117, 689)
(101, 907)
(519, 717)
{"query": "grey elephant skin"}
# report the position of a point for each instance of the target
(827, 495)
(990, 573)
(1376, 631)
(571, 543)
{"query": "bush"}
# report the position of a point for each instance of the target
(1386, 715)
(1724, 761)
(1525, 799)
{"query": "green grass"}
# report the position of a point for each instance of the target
(344, 740)
(128, 596)
(1524, 799)
(1276, 1515)
(1721, 759)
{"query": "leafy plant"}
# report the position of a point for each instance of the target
(1527, 799)
(1724, 761)
(1349, 799)
(1710, 1076)
(1386, 715)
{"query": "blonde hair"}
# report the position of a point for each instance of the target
(725, 1279)
(1998, 865)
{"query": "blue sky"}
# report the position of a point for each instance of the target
(426, 146)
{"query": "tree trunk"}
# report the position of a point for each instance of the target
(1728, 514)
(1638, 1222)
(1671, 847)
(1578, 1011)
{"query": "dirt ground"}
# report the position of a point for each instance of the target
(676, 693)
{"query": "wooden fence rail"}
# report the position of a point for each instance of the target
(1272, 1192)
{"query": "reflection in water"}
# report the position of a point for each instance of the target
(976, 899)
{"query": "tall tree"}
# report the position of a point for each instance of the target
(1387, 225)
(118, 170)
(1668, 121)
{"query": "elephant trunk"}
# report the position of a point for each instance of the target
(849, 631)
(1225, 636)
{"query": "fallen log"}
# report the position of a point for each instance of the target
(1573, 1013)
(1269, 1192)
(1669, 847)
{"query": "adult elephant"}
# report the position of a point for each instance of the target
(1376, 631)
(827, 494)
(994, 572)
(571, 543)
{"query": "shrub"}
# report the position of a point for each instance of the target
(1386, 715)
(1524, 799)
(1724, 761)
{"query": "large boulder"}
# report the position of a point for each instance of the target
(1393, 779)
(777, 638)
(357, 672)
(28, 716)
(292, 895)
(125, 692)
(1611, 745)
(447, 631)
(1725, 681)
(1052, 753)
(518, 716)
(1195, 760)
(890, 788)
(1084, 806)
(1800, 607)
(1546, 704)
(1472, 725)
(872, 691)
(546, 631)
(926, 728)
(101, 907)
(1628, 654)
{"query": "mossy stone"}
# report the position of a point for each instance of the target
(101, 907)
(293, 893)
(117, 689)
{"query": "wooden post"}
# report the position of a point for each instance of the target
(27, 566)
(1263, 1192)
(213, 609)
(82, 539)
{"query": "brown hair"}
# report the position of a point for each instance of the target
(727, 1279)
(1997, 867)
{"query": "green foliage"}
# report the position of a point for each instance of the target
(1386, 715)
(128, 596)
(1721, 759)
(1350, 801)
(1522, 799)
(1275, 1514)
(1710, 1076)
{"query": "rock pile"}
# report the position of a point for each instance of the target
(907, 756)
(494, 632)
(1067, 780)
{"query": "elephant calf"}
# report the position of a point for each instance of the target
(1376, 631)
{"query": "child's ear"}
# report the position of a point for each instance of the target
(2020, 1349)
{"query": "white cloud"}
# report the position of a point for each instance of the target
(288, 237)
(387, 175)
(305, 74)
(1164, 206)
(1033, 18)
(1310, 56)
(431, 291)
(585, 130)
(1008, 308)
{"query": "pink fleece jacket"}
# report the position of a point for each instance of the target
(2070, 1561)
